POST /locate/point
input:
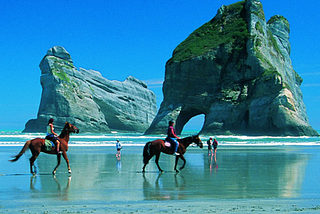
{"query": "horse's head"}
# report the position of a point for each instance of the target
(196, 139)
(71, 128)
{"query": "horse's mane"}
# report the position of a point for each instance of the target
(64, 130)
(186, 140)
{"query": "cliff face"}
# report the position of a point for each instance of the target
(88, 100)
(236, 70)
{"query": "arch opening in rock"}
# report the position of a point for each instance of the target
(190, 123)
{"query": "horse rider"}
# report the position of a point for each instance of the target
(172, 137)
(51, 135)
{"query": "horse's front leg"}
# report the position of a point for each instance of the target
(157, 162)
(59, 161)
(144, 168)
(184, 161)
(64, 154)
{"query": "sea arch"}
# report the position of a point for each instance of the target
(185, 116)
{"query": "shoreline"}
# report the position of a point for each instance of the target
(207, 206)
(7, 139)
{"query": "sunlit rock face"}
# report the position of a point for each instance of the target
(88, 100)
(236, 70)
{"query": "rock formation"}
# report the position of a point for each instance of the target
(88, 100)
(236, 70)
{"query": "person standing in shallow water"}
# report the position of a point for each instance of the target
(215, 146)
(209, 142)
(172, 137)
(118, 147)
(51, 135)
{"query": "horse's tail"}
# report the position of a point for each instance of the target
(25, 147)
(147, 153)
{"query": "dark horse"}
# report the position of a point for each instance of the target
(157, 146)
(37, 145)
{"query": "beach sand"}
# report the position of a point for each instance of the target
(259, 179)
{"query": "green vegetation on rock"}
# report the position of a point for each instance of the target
(58, 67)
(230, 28)
(62, 75)
(268, 74)
(259, 28)
(279, 18)
(273, 43)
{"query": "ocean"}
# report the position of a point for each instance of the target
(17, 138)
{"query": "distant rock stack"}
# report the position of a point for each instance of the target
(88, 100)
(236, 70)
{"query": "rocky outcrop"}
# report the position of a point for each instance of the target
(88, 100)
(236, 70)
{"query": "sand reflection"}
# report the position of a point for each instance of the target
(51, 186)
(166, 186)
(256, 173)
(235, 173)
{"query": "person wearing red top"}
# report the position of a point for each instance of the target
(209, 142)
(172, 137)
(215, 146)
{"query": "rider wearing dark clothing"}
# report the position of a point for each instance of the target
(172, 137)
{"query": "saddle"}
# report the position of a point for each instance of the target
(167, 144)
(48, 145)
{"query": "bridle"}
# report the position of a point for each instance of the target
(197, 140)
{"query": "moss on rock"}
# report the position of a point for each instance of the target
(227, 29)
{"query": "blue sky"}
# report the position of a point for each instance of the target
(122, 38)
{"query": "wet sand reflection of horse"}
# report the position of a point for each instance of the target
(36, 146)
(157, 146)
(170, 187)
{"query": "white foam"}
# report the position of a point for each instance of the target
(136, 139)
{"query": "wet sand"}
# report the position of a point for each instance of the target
(240, 180)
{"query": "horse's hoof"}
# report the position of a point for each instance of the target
(69, 171)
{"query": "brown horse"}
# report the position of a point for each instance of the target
(37, 145)
(157, 146)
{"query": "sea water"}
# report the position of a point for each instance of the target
(17, 138)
